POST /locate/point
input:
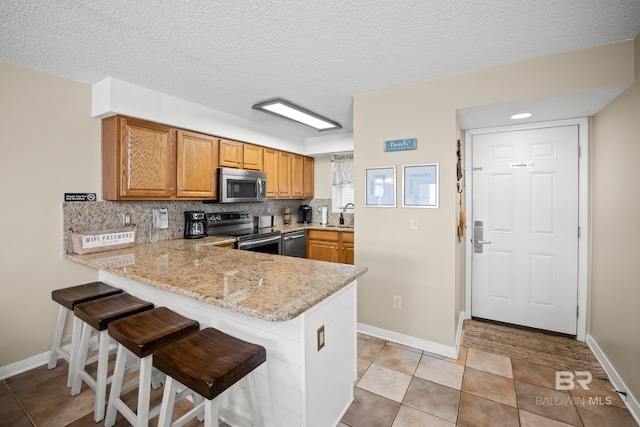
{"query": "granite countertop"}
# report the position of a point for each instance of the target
(269, 287)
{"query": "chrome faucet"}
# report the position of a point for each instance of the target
(344, 210)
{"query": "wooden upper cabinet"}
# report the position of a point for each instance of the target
(231, 154)
(271, 160)
(297, 176)
(138, 159)
(196, 166)
(284, 174)
(308, 178)
(253, 157)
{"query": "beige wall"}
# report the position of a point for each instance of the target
(615, 232)
(322, 177)
(424, 266)
(50, 145)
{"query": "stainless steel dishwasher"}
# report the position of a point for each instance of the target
(295, 244)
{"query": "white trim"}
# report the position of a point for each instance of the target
(617, 383)
(583, 209)
(25, 365)
(420, 344)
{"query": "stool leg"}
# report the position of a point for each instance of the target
(101, 376)
(144, 391)
(57, 337)
(251, 394)
(116, 386)
(80, 359)
(168, 400)
(75, 348)
(211, 413)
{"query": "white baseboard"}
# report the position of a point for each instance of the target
(24, 365)
(629, 400)
(420, 344)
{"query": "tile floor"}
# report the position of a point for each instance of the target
(397, 386)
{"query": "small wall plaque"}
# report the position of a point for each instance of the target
(401, 144)
(79, 197)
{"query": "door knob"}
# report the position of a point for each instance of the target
(478, 242)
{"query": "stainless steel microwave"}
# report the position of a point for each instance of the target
(241, 186)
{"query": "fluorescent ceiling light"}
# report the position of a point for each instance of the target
(286, 109)
(521, 116)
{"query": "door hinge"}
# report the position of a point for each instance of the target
(579, 152)
(577, 311)
(578, 232)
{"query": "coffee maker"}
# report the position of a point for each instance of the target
(305, 214)
(194, 224)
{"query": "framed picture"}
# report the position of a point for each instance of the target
(381, 187)
(420, 186)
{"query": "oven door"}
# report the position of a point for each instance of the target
(267, 245)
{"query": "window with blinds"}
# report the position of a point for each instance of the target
(342, 188)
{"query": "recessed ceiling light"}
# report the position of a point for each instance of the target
(291, 111)
(520, 116)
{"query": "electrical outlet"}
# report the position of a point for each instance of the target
(397, 302)
(126, 219)
(414, 223)
(320, 337)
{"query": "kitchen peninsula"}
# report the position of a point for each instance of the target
(302, 311)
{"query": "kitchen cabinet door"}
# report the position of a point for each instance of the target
(347, 250)
(231, 154)
(308, 178)
(138, 160)
(297, 176)
(253, 157)
(196, 166)
(271, 159)
(322, 250)
(284, 175)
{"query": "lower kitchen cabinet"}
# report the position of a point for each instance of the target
(332, 246)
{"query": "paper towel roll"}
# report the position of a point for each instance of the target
(324, 215)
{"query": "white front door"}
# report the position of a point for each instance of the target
(525, 227)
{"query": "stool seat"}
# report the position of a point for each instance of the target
(69, 297)
(141, 335)
(100, 312)
(209, 362)
(146, 332)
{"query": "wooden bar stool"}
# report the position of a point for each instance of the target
(97, 315)
(141, 335)
(68, 298)
(208, 362)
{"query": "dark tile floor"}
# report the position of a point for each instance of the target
(397, 386)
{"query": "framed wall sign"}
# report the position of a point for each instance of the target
(420, 186)
(381, 187)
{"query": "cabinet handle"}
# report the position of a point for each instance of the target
(180, 189)
(171, 190)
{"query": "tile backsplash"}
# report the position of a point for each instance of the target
(107, 215)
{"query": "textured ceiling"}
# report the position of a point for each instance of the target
(228, 55)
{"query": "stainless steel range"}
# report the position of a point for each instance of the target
(241, 225)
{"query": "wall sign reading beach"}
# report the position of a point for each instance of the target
(420, 186)
(381, 187)
(401, 144)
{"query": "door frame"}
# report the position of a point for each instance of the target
(583, 209)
